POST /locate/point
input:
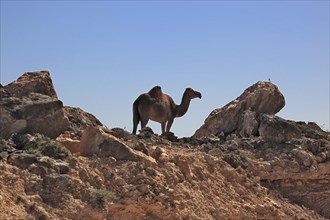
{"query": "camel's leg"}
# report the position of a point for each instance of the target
(134, 128)
(169, 124)
(144, 122)
(136, 116)
(135, 124)
(163, 127)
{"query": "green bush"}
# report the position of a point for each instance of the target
(101, 196)
(44, 146)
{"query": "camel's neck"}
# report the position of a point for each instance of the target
(183, 107)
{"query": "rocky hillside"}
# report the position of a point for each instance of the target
(59, 162)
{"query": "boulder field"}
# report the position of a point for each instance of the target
(244, 162)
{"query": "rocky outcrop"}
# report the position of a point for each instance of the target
(32, 113)
(298, 172)
(96, 141)
(276, 129)
(79, 119)
(37, 82)
(30, 105)
(262, 97)
(289, 157)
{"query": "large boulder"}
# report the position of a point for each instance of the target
(38, 82)
(262, 97)
(22, 160)
(34, 113)
(30, 105)
(72, 145)
(96, 141)
(275, 129)
(79, 119)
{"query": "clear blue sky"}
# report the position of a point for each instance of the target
(103, 54)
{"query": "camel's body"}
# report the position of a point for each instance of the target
(160, 107)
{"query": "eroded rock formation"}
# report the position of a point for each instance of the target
(30, 105)
(37, 82)
(289, 157)
(262, 97)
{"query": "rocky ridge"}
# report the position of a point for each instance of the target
(254, 166)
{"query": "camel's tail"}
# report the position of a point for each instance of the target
(136, 116)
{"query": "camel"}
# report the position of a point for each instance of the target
(160, 107)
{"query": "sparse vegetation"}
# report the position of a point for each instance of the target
(215, 153)
(44, 146)
(236, 159)
(101, 196)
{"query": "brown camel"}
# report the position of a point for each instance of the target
(160, 107)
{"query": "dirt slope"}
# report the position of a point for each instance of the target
(190, 180)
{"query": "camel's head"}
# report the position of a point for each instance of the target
(192, 93)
